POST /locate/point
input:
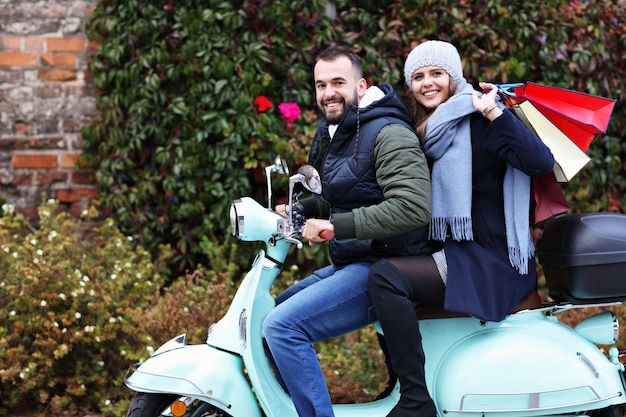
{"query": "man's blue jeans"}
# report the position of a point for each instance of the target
(331, 302)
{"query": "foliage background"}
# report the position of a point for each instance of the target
(180, 136)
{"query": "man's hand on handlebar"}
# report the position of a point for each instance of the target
(314, 229)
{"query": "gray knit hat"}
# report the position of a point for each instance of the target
(437, 53)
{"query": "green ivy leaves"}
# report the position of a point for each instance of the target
(180, 136)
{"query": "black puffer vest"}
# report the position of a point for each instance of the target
(348, 173)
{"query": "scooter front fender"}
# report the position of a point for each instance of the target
(198, 371)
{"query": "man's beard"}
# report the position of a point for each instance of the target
(336, 117)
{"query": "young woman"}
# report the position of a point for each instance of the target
(482, 160)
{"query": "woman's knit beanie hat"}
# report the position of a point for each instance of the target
(437, 53)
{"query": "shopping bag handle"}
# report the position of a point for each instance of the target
(508, 95)
(508, 89)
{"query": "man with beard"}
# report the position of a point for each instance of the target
(376, 199)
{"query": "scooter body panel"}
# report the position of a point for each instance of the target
(198, 371)
(526, 365)
(226, 334)
(273, 399)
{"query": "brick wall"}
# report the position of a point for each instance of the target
(45, 98)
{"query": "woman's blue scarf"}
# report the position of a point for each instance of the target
(448, 143)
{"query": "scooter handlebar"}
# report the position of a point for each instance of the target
(327, 234)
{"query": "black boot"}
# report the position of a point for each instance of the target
(391, 294)
(392, 376)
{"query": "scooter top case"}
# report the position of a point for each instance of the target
(584, 257)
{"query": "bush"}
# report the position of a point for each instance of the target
(354, 366)
(195, 98)
(70, 293)
(83, 302)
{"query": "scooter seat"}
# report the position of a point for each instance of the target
(426, 312)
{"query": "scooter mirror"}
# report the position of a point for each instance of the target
(312, 181)
(280, 166)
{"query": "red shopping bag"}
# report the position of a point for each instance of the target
(548, 198)
(578, 115)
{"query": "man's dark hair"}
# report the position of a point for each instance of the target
(335, 51)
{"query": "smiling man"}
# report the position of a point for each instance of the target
(376, 199)
(338, 84)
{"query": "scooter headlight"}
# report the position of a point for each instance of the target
(252, 222)
(601, 328)
(236, 221)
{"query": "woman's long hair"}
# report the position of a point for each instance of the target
(421, 114)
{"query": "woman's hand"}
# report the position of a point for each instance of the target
(313, 228)
(486, 104)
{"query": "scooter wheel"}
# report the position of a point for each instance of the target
(149, 405)
(155, 405)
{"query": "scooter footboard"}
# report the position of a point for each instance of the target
(197, 371)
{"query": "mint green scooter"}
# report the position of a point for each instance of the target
(529, 364)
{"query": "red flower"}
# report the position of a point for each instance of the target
(613, 203)
(262, 103)
(290, 112)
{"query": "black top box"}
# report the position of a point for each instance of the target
(584, 257)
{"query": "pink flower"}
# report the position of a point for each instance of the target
(262, 103)
(290, 112)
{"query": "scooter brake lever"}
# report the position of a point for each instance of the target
(294, 241)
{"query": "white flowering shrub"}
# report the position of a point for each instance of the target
(72, 293)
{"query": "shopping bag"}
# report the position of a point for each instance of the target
(578, 115)
(548, 198)
(569, 158)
